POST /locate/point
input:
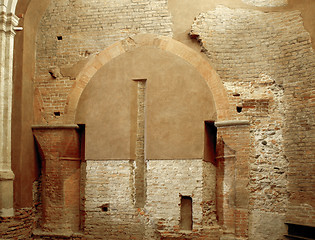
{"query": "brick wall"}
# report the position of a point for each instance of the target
(109, 204)
(18, 227)
(86, 28)
(267, 64)
(59, 207)
(111, 183)
(188, 179)
(233, 153)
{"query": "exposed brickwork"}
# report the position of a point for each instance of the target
(111, 182)
(87, 28)
(233, 152)
(60, 185)
(140, 161)
(264, 60)
(18, 227)
(163, 202)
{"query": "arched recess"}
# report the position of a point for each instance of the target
(181, 91)
(160, 42)
(171, 96)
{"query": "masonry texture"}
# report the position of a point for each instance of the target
(85, 28)
(264, 71)
(126, 111)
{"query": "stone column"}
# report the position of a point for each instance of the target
(7, 23)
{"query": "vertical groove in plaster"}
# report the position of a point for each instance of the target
(140, 169)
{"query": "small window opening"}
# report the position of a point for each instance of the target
(186, 222)
(105, 207)
(59, 38)
(239, 109)
(57, 114)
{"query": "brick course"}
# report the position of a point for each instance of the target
(18, 227)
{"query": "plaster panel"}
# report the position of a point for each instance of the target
(178, 102)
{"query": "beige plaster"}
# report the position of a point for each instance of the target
(23, 154)
(178, 101)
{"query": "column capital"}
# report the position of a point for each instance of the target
(12, 21)
(7, 22)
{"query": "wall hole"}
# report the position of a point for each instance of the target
(59, 38)
(57, 114)
(239, 109)
(105, 207)
(186, 222)
(52, 74)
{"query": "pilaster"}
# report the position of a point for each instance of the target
(60, 150)
(7, 23)
(232, 159)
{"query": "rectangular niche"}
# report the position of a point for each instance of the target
(186, 222)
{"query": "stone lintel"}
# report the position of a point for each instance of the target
(231, 123)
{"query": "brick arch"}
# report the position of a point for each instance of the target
(164, 43)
